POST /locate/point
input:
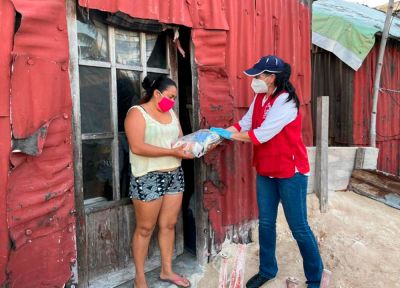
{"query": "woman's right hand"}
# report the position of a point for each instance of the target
(180, 152)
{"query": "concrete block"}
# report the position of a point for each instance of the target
(366, 158)
(340, 166)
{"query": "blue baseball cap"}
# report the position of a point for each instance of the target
(269, 64)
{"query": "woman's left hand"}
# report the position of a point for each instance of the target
(180, 152)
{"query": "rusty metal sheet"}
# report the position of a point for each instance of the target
(40, 52)
(176, 12)
(7, 16)
(388, 115)
(38, 262)
(206, 14)
(40, 196)
(40, 210)
(30, 112)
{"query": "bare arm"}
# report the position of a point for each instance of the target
(241, 136)
(134, 127)
(232, 129)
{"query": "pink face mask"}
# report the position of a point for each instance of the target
(166, 104)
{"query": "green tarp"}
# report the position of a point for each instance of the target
(348, 29)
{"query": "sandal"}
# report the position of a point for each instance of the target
(179, 281)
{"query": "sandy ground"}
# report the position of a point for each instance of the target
(359, 240)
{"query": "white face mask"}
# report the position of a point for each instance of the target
(259, 86)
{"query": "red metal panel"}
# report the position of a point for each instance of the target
(258, 28)
(283, 29)
(388, 114)
(40, 52)
(7, 16)
(30, 112)
(280, 27)
(173, 11)
(40, 199)
(38, 264)
(207, 14)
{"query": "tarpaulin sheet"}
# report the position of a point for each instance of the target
(348, 29)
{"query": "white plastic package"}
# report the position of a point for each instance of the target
(199, 143)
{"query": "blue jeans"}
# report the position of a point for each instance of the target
(292, 192)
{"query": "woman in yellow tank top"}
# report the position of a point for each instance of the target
(157, 178)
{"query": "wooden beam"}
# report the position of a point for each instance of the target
(81, 241)
(383, 182)
(321, 159)
(201, 215)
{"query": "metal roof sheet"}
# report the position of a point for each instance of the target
(206, 14)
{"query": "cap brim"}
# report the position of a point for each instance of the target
(252, 72)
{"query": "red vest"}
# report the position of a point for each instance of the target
(279, 156)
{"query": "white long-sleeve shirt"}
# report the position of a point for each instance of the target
(278, 116)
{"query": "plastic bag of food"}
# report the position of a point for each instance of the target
(199, 142)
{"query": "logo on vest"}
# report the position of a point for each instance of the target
(267, 108)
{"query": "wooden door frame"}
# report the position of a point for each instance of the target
(201, 215)
(81, 278)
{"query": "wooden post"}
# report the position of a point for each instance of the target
(80, 271)
(201, 215)
(321, 157)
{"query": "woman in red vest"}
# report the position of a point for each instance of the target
(273, 125)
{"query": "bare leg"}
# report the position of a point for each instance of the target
(146, 218)
(166, 235)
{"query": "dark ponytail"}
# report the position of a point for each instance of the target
(282, 83)
(151, 83)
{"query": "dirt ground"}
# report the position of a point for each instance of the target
(359, 240)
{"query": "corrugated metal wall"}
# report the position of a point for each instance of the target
(230, 36)
(388, 114)
(40, 196)
(350, 95)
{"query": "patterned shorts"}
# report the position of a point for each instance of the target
(155, 184)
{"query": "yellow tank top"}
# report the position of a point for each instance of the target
(160, 135)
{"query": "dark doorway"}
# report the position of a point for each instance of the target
(185, 116)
